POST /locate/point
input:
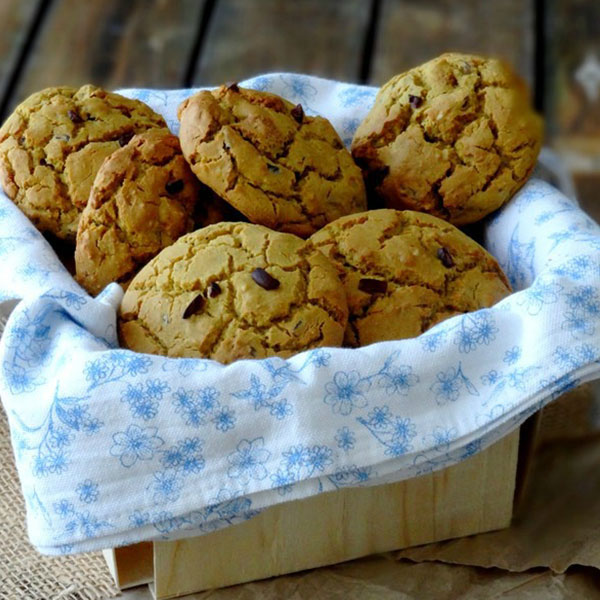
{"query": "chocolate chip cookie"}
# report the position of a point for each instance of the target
(405, 271)
(455, 137)
(232, 291)
(142, 200)
(52, 146)
(263, 155)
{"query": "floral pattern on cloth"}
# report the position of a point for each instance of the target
(115, 447)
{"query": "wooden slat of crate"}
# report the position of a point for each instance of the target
(113, 44)
(130, 566)
(411, 32)
(473, 496)
(320, 37)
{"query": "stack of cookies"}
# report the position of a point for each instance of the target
(249, 235)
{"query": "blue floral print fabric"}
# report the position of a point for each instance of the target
(114, 447)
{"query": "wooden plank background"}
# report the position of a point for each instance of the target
(311, 36)
(174, 43)
(413, 31)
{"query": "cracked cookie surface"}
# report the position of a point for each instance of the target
(232, 291)
(142, 200)
(53, 144)
(455, 137)
(405, 271)
(274, 164)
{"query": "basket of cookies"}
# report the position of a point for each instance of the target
(277, 289)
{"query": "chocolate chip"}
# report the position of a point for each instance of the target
(74, 116)
(298, 113)
(174, 187)
(233, 87)
(43, 162)
(444, 255)
(214, 289)
(124, 139)
(372, 286)
(415, 101)
(194, 306)
(265, 280)
(22, 139)
(273, 168)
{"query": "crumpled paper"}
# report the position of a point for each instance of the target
(379, 578)
(557, 524)
(115, 447)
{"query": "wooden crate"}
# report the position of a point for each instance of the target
(473, 496)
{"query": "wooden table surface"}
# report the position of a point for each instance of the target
(554, 44)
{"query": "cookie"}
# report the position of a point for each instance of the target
(405, 271)
(276, 165)
(142, 200)
(52, 146)
(455, 137)
(232, 291)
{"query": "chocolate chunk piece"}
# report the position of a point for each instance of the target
(174, 187)
(298, 113)
(444, 255)
(372, 286)
(194, 306)
(214, 289)
(273, 168)
(124, 139)
(266, 281)
(233, 87)
(415, 101)
(74, 116)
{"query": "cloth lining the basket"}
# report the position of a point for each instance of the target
(115, 447)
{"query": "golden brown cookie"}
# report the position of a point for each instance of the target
(274, 164)
(142, 200)
(455, 137)
(232, 291)
(52, 146)
(405, 271)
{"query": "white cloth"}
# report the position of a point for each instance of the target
(115, 447)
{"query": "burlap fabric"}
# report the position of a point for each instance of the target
(24, 573)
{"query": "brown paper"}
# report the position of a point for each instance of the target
(381, 578)
(557, 524)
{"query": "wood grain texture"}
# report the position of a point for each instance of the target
(15, 18)
(411, 32)
(572, 42)
(113, 44)
(473, 496)
(572, 92)
(130, 566)
(320, 37)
